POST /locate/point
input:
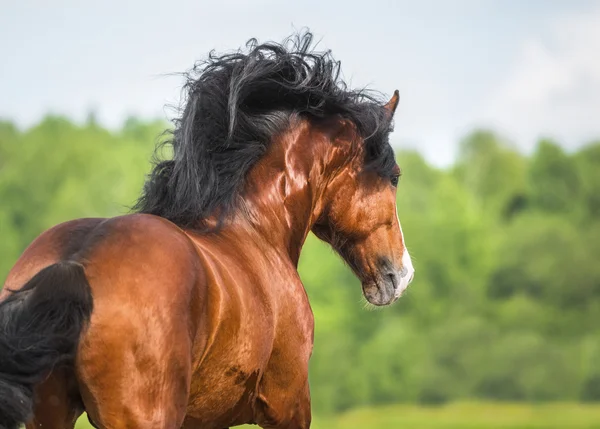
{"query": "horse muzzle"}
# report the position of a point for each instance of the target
(389, 284)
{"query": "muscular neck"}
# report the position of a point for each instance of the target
(282, 197)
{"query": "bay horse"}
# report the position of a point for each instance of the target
(189, 312)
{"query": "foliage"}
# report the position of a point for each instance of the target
(460, 415)
(506, 300)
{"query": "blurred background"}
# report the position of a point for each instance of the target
(498, 136)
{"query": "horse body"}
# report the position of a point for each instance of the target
(234, 361)
(208, 325)
(241, 359)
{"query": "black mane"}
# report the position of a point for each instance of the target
(235, 104)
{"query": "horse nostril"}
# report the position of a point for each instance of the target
(394, 280)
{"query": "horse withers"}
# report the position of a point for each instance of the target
(190, 312)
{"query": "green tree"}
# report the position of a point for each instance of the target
(553, 178)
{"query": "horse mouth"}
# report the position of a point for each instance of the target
(381, 293)
(387, 287)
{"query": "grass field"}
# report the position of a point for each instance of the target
(463, 415)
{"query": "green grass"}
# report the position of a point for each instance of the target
(461, 415)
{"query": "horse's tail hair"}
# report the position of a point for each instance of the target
(40, 326)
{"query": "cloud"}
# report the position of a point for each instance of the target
(553, 90)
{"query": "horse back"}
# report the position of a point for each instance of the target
(53, 245)
(133, 261)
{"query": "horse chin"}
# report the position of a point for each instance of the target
(379, 294)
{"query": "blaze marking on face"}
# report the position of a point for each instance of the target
(407, 271)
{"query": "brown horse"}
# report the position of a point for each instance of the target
(191, 313)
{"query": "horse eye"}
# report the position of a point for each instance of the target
(394, 179)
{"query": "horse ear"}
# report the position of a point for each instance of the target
(392, 104)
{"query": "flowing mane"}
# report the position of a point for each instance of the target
(235, 104)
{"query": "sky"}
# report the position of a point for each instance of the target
(525, 69)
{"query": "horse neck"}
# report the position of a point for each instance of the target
(282, 197)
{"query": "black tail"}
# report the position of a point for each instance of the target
(40, 327)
